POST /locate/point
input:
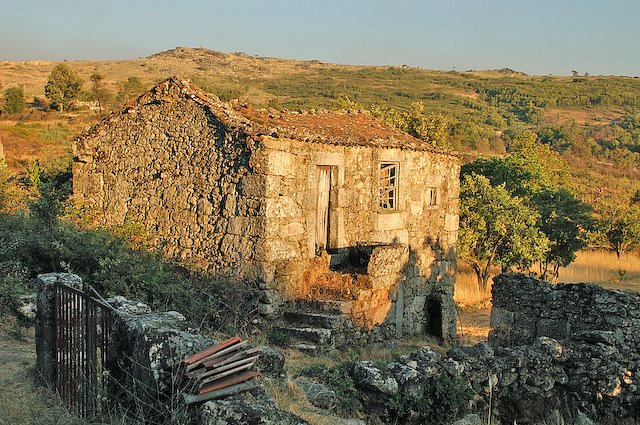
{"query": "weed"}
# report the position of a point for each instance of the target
(338, 378)
(442, 400)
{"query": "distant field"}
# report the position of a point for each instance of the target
(601, 267)
(604, 268)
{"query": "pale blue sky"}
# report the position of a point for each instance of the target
(537, 37)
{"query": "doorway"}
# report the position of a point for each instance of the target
(323, 174)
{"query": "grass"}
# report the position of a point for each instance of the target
(593, 266)
(604, 268)
(22, 399)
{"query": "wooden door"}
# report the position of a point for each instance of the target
(322, 213)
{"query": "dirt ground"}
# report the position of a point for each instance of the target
(473, 324)
(22, 399)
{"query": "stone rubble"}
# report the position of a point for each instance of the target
(525, 373)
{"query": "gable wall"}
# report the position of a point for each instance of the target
(171, 166)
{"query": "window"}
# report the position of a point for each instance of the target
(431, 196)
(388, 185)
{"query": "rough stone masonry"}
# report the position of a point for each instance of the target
(572, 349)
(260, 194)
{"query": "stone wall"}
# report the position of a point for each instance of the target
(598, 329)
(172, 166)
(228, 200)
(525, 308)
(557, 351)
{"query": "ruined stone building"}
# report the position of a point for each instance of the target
(329, 206)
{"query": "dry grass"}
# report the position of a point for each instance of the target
(604, 268)
(467, 292)
(22, 399)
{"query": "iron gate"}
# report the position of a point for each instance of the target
(82, 336)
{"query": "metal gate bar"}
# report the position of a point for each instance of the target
(82, 336)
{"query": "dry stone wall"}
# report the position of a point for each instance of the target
(220, 195)
(534, 370)
(172, 166)
(597, 329)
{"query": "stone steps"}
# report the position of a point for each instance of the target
(315, 326)
(323, 306)
(319, 320)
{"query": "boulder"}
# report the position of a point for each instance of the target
(318, 394)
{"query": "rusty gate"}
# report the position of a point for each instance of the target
(82, 336)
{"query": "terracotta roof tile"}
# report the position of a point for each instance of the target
(336, 128)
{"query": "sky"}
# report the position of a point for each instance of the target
(599, 37)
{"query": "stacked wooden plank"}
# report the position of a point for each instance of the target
(220, 370)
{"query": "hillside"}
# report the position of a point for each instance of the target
(593, 120)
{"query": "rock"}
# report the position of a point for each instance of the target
(27, 307)
(318, 394)
(551, 347)
(342, 421)
(582, 419)
(367, 375)
(471, 419)
(245, 411)
(128, 306)
(271, 361)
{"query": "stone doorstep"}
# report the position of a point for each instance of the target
(320, 320)
(319, 336)
(308, 349)
(323, 306)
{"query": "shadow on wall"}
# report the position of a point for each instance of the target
(388, 286)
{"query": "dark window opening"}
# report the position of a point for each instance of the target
(434, 318)
(432, 196)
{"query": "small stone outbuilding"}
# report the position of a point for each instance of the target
(318, 205)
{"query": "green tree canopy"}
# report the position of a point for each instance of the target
(63, 85)
(621, 227)
(540, 177)
(431, 128)
(13, 100)
(564, 219)
(496, 228)
(99, 91)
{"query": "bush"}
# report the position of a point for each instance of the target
(13, 100)
(339, 379)
(443, 399)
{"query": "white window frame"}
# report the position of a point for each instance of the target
(388, 184)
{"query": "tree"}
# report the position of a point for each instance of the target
(540, 177)
(496, 229)
(432, 128)
(130, 89)
(13, 100)
(564, 220)
(99, 91)
(623, 228)
(63, 85)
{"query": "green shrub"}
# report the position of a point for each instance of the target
(13, 100)
(443, 399)
(338, 378)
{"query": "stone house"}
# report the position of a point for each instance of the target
(313, 206)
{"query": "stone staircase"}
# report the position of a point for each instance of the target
(316, 327)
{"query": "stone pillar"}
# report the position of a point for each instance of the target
(45, 322)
